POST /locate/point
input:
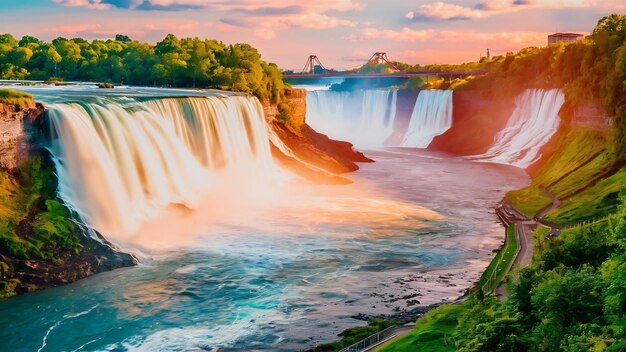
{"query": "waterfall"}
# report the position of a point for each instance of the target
(122, 161)
(432, 116)
(531, 125)
(364, 118)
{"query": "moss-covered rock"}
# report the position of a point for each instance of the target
(40, 244)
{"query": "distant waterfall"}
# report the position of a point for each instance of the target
(364, 118)
(432, 116)
(531, 125)
(120, 162)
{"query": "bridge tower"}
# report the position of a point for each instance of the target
(313, 65)
(381, 58)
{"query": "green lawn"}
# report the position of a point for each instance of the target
(433, 332)
(501, 261)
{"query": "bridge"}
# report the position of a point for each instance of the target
(314, 69)
(381, 75)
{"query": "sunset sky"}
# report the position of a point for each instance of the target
(343, 33)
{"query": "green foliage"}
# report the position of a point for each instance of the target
(354, 335)
(184, 62)
(592, 69)
(573, 297)
(14, 97)
(372, 67)
(487, 326)
(32, 223)
(283, 113)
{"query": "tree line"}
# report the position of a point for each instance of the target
(184, 62)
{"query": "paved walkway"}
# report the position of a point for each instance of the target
(524, 228)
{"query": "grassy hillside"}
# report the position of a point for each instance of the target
(575, 163)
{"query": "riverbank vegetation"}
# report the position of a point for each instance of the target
(354, 335)
(498, 267)
(33, 224)
(172, 62)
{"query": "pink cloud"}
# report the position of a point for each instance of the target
(220, 5)
(456, 40)
(448, 11)
(445, 11)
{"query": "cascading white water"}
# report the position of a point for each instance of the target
(120, 164)
(432, 116)
(364, 118)
(531, 125)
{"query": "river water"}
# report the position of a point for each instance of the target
(415, 228)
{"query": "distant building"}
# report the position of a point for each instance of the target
(563, 37)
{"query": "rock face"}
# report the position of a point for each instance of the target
(13, 136)
(476, 119)
(590, 115)
(316, 156)
(294, 104)
(32, 275)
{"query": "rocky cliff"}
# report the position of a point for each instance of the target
(41, 245)
(13, 135)
(476, 119)
(315, 156)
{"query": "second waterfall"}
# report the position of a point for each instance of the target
(372, 118)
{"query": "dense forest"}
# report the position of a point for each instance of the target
(185, 62)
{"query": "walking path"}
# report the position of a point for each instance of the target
(524, 228)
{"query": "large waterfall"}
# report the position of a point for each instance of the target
(531, 125)
(123, 161)
(365, 118)
(432, 116)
